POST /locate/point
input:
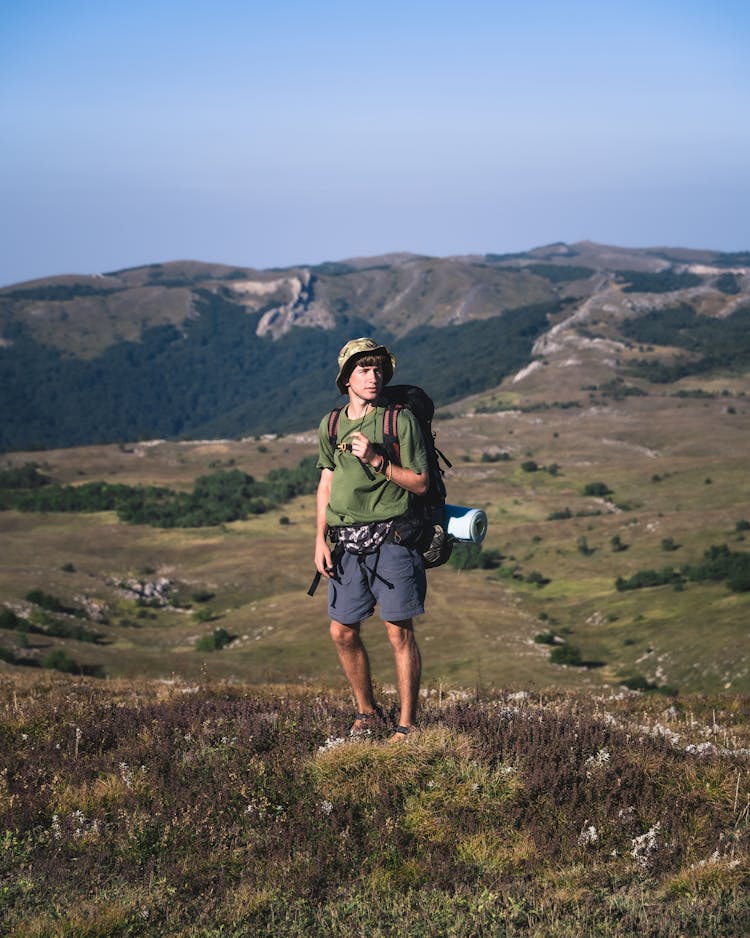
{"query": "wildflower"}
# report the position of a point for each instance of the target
(326, 807)
(56, 827)
(645, 845)
(595, 762)
(588, 836)
(80, 817)
(331, 743)
(126, 775)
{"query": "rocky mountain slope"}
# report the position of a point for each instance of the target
(187, 349)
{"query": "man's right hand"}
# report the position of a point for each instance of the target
(323, 559)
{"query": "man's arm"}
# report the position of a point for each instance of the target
(323, 561)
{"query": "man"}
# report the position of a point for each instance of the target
(360, 493)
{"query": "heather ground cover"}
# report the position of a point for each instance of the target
(154, 808)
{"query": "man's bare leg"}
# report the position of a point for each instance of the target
(356, 666)
(408, 668)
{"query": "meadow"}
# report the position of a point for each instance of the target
(199, 810)
(581, 760)
(584, 485)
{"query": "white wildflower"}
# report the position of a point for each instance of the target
(597, 761)
(331, 743)
(588, 836)
(326, 807)
(56, 827)
(126, 775)
(645, 845)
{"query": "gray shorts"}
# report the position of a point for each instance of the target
(394, 577)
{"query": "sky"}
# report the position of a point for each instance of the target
(284, 132)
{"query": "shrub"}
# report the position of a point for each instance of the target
(59, 660)
(529, 466)
(545, 638)
(202, 596)
(566, 654)
(8, 619)
(583, 547)
(217, 640)
(600, 489)
(49, 602)
(560, 515)
(639, 682)
(465, 556)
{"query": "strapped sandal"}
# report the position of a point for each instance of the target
(366, 720)
(400, 733)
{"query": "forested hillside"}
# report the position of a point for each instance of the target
(190, 350)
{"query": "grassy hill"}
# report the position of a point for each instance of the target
(204, 809)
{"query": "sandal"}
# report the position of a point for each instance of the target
(365, 721)
(401, 732)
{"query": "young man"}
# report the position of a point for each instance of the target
(360, 493)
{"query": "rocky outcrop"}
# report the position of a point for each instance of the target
(296, 303)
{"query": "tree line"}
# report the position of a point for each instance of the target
(217, 498)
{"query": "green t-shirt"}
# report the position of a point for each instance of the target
(354, 497)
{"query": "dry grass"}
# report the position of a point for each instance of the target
(140, 808)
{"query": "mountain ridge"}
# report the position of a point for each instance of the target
(187, 348)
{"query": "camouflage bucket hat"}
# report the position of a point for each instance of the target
(354, 350)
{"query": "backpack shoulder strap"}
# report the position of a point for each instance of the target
(390, 432)
(333, 425)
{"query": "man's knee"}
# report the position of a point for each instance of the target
(401, 634)
(344, 635)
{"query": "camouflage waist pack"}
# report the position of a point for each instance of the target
(363, 538)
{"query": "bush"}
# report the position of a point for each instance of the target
(583, 547)
(59, 660)
(202, 596)
(545, 638)
(217, 640)
(529, 466)
(50, 603)
(600, 489)
(8, 619)
(567, 654)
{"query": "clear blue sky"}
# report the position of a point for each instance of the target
(276, 133)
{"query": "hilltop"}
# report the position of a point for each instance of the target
(206, 810)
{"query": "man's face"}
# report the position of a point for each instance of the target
(366, 381)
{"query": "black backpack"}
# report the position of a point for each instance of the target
(423, 526)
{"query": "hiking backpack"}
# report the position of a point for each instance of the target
(423, 526)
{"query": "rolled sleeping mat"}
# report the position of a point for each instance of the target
(465, 524)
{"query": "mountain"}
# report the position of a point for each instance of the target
(190, 350)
